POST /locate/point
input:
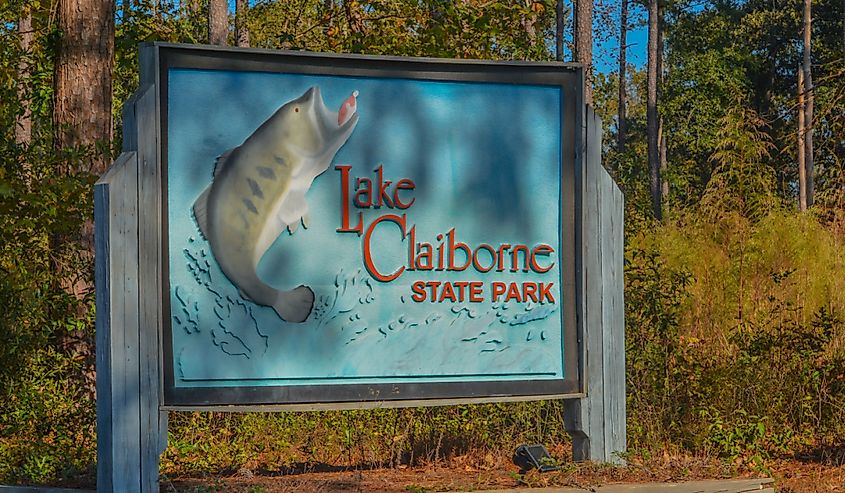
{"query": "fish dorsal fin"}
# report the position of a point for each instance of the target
(200, 213)
(221, 161)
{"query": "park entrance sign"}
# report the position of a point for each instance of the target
(309, 231)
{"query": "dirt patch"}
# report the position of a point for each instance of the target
(467, 474)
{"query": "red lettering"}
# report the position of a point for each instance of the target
(418, 289)
(440, 252)
(529, 290)
(424, 255)
(403, 184)
(515, 258)
(477, 264)
(498, 289)
(455, 246)
(513, 293)
(412, 264)
(475, 292)
(433, 285)
(367, 251)
(447, 293)
(500, 266)
(344, 204)
(366, 191)
(544, 251)
(546, 292)
(462, 285)
(382, 188)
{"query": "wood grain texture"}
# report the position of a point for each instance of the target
(131, 427)
(149, 282)
(597, 422)
(118, 391)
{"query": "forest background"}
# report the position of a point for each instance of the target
(729, 146)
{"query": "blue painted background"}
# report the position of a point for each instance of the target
(485, 159)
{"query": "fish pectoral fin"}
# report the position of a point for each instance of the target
(292, 210)
(200, 214)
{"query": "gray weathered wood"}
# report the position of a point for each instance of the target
(118, 391)
(597, 421)
(132, 429)
(149, 226)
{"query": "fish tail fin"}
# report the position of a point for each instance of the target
(295, 305)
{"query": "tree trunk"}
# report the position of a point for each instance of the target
(661, 135)
(218, 22)
(802, 170)
(82, 113)
(241, 29)
(808, 117)
(353, 17)
(623, 68)
(83, 84)
(560, 22)
(584, 44)
(651, 111)
(529, 22)
(23, 127)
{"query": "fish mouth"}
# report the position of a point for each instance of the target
(337, 125)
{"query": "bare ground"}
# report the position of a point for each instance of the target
(808, 474)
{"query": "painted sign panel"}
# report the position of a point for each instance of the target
(366, 229)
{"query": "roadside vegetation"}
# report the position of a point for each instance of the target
(735, 297)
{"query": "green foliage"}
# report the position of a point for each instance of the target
(734, 305)
(201, 442)
(735, 336)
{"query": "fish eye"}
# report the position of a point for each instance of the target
(296, 109)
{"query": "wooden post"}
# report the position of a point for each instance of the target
(597, 421)
(131, 429)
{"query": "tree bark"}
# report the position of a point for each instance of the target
(661, 134)
(82, 107)
(584, 44)
(808, 117)
(241, 29)
(218, 22)
(529, 22)
(560, 22)
(622, 125)
(651, 111)
(23, 127)
(802, 170)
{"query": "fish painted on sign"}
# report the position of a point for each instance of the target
(258, 191)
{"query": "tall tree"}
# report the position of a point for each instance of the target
(82, 107)
(584, 44)
(23, 127)
(802, 168)
(661, 134)
(808, 103)
(218, 22)
(241, 29)
(651, 111)
(623, 66)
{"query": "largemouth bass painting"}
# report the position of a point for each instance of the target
(258, 190)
